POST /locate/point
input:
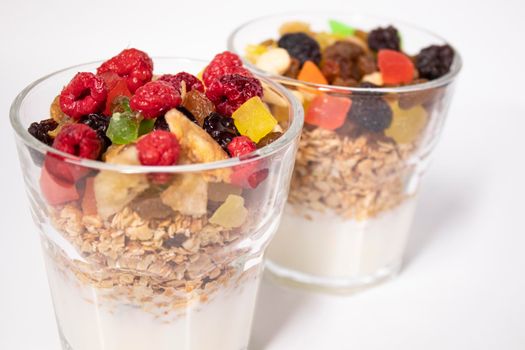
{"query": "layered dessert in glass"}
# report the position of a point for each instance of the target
(155, 194)
(375, 94)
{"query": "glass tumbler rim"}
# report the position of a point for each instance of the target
(287, 81)
(296, 114)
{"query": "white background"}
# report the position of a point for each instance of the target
(463, 286)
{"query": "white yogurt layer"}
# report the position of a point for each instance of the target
(87, 322)
(330, 247)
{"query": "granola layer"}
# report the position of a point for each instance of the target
(356, 178)
(158, 265)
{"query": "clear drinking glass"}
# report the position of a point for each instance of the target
(353, 192)
(135, 273)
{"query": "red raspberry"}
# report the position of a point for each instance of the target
(215, 72)
(229, 92)
(76, 139)
(246, 175)
(85, 94)
(154, 99)
(192, 82)
(224, 63)
(159, 147)
(79, 140)
(134, 65)
(241, 145)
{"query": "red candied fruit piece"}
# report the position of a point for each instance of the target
(85, 94)
(154, 99)
(395, 67)
(229, 92)
(245, 175)
(57, 191)
(119, 89)
(191, 81)
(78, 140)
(159, 148)
(327, 112)
(89, 201)
(133, 65)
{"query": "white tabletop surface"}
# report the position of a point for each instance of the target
(463, 284)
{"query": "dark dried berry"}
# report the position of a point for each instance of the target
(161, 124)
(221, 129)
(384, 38)
(434, 61)
(175, 241)
(367, 84)
(301, 46)
(99, 123)
(366, 64)
(371, 113)
(40, 130)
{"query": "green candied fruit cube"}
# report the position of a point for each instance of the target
(253, 119)
(146, 126)
(123, 128)
(340, 28)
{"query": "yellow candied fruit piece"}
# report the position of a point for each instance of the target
(253, 52)
(407, 124)
(325, 39)
(253, 119)
(231, 213)
(294, 27)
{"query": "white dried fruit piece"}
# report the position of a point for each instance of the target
(231, 213)
(197, 144)
(114, 190)
(275, 61)
(271, 97)
(187, 194)
(375, 78)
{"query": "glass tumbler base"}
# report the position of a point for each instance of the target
(285, 276)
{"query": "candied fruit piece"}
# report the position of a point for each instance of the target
(120, 89)
(340, 28)
(187, 194)
(327, 112)
(253, 52)
(395, 67)
(253, 119)
(198, 105)
(311, 74)
(407, 124)
(231, 213)
(294, 27)
(55, 190)
(89, 203)
(123, 128)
